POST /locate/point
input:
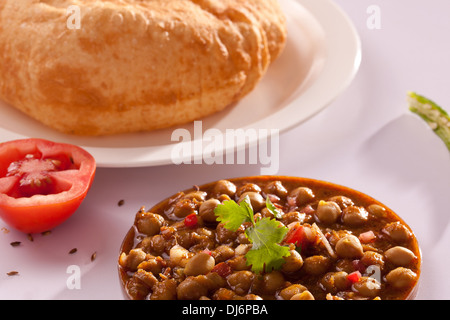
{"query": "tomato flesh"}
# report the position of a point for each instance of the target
(191, 220)
(354, 276)
(34, 175)
(42, 183)
(295, 235)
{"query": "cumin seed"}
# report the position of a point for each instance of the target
(15, 243)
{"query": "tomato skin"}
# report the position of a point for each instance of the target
(39, 213)
(295, 235)
(191, 220)
(354, 276)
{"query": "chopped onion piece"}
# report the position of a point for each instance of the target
(324, 240)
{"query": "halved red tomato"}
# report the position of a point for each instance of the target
(42, 183)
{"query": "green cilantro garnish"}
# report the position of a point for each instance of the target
(265, 234)
(274, 210)
(233, 215)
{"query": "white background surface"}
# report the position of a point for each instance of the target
(366, 139)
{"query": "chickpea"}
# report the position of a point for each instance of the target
(206, 210)
(179, 255)
(377, 211)
(265, 213)
(133, 259)
(241, 281)
(152, 264)
(276, 188)
(288, 292)
(316, 265)
(335, 281)
(164, 290)
(305, 295)
(400, 256)
(349, 247)
(242, 249)
(342, 201)
(222, 253)
(401, 277)
(367, 287)
(224, 235)
(136, 288)
(224, 187)
(192, 288)
(294, 262)
(372, 258)
(248, 187)
(256, 200)
(201, 263)
(157, 244)
(197, 195)
(183, 208)
(345, 265)
(149, 223)
(216, 281)
(302, 195)
(354, 216)
(224, 294)
(238, 263)
(272, 282)
(328, 212)
(147, 278)
(397, 232)
(242, 238)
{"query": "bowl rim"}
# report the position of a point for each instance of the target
(410, 296)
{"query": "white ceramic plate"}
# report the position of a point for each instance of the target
(321, 58)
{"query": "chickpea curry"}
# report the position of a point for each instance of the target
(269, 237)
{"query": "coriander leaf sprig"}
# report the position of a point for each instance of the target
(265, 234)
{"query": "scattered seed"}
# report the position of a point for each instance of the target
(5, 230)
(73, 251)
(93, 256)
(121, 203)
(15, 243)
(12, 273)
(30, 237)
(57, 163)
(46, 233)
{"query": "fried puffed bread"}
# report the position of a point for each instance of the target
(133, 65)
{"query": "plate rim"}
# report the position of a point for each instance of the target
(318, 9)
